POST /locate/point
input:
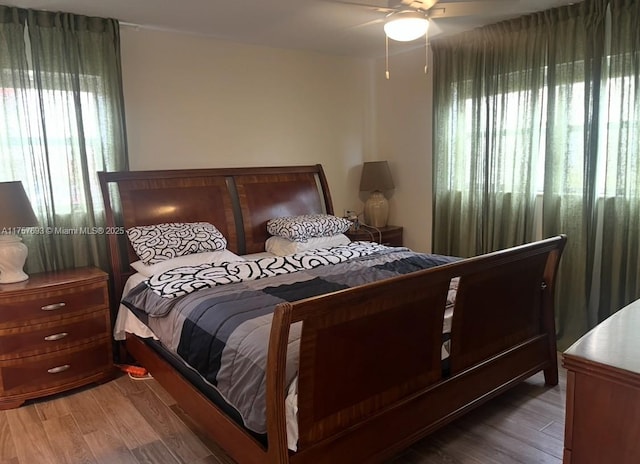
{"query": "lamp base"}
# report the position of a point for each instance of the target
(13, 254)
(376, 209)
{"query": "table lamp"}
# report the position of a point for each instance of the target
(376, 178)
(15, 213)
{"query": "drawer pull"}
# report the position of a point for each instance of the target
(54, 337)
(53, 307)
(57, 370)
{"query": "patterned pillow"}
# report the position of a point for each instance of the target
(159, 242)
(195, 259)
(283, 246)
(301, 228)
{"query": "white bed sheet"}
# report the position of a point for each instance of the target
(126, 321)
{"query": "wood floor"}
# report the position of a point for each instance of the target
(137, 422)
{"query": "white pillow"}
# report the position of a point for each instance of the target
(282, 247)
(195, 259)
(302, 228)
(159, 242)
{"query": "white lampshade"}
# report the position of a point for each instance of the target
(406, 25)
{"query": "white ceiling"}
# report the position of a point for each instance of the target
(325, 26)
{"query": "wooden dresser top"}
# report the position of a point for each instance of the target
(614, 342)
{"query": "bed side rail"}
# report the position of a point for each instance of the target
(509, 294)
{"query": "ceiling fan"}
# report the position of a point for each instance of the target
(407, 20)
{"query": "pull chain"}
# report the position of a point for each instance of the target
(386, 55)
(426, 54)
(386, 48)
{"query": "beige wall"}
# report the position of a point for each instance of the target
(198, 102)
(404, 126)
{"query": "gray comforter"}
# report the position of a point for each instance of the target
(222, 331)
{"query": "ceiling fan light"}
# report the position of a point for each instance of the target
(405, 26)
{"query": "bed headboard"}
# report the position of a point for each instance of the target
(238, 201)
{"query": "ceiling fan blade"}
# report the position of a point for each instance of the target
(419, 4)
(368, 23)
(457, 9)
(377, 5)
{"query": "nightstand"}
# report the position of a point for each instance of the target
(55, 334)
(389, 235)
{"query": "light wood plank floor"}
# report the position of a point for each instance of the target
(137, 422)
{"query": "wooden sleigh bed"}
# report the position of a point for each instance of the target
(370, 376)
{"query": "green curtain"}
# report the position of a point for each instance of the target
(576, 40)
(573, 76)
(615, 279)
(61, 121)
(488, 104)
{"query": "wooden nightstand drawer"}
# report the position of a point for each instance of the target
(53, 304)
(56, 371)
(53, 336)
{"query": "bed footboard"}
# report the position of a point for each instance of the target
(371, 379)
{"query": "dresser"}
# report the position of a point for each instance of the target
(55, 334)
(388, 235)
(603, 392)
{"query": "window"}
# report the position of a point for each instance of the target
(509, 122)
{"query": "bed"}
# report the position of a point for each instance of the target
(502, 328)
